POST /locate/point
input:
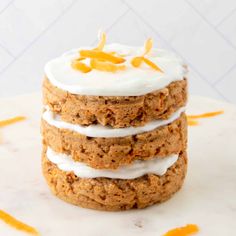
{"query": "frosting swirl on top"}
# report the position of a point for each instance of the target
(129, 82)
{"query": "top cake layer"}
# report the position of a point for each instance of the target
(132, 81)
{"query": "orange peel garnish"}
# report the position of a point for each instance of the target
(151, 64)
(101, 55)
(137, 61)
(102, 42)
(11, 121)
(10, 220)
(183, 231)
(148, 46)
(206, 115)
(78, 65)
(105, 66)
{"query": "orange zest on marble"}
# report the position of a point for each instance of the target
(183, 231)
(13, 222)
(78, 65)
(192, 122)
(206, 115)
(101, 55)
(105, 66)
(11, 121)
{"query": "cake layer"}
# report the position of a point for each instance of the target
(110, 153)
(114, 194)
(118, 112)
(137, 169)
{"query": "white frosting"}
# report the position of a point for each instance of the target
(130, 82)
(156, 166)
(107, 131)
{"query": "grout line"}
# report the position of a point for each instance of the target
(173, 49)
(115, 22)
(224, 75)
(220, 93)
(7, 51)
(226, 17)
(118, 19)
(39, 36)
(8, 5)
(211, 25)
(3, 47)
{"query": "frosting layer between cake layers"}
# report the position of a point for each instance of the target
(107, 131)
(138, 168)
(129, 82)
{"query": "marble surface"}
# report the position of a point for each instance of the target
(207, 199)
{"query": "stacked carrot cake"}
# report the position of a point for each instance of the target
(114, 126)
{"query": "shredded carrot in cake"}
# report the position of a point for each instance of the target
(105, 66)
(206, 115)
(78, 65)
(10, 220)
(11, 121)
(101, 55)
(183, 231)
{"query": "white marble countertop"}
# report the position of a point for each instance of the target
(207, 199)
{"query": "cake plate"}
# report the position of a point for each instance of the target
(208, 197)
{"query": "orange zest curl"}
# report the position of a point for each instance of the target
(102, 42)
(101, 56)
(10, 220)
(137, 61)
(151, 64)
(148, 46)
(183, 231)
(78, 65)
(11, 121)
(80, 59)
(105, 66)
(206, 115)
(107, 61)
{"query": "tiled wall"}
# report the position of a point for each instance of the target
(202, 32)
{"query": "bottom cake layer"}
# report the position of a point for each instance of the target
(114, 194)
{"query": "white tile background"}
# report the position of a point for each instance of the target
(202, 32)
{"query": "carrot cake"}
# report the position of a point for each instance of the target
(114, 126)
